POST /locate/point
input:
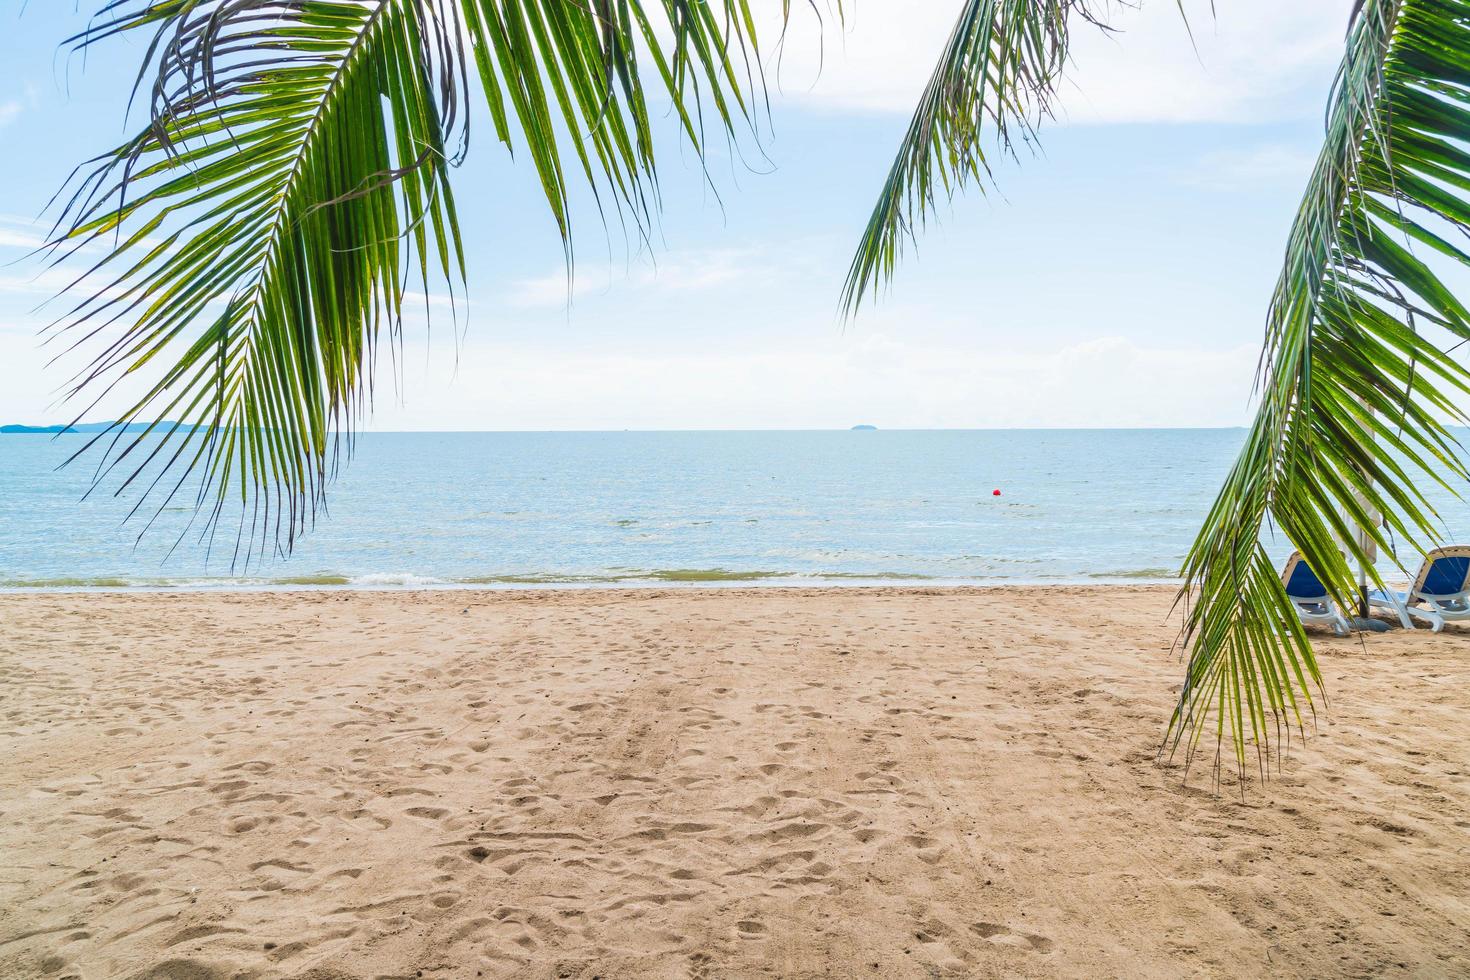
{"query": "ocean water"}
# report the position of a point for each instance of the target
(529, 509)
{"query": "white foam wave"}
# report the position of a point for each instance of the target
(401, 579)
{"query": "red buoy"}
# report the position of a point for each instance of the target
(995, 493)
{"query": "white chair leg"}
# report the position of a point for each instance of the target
(1430, 616)
(1403, 614)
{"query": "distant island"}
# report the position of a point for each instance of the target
(865, 428)
(11, 430)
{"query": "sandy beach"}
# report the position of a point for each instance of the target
(719, 783)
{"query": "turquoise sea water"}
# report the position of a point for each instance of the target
(517, 509)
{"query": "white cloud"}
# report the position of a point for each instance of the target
(413, 299)
(1249, 167)
(693, 270)
(37, 279)
(10, 109)
(875, 379)
(10, 238)
(45, 282)
(549, 291)
(1258, 60)
(36, 285)
(20, 233)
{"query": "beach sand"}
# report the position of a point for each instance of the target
(718, 783)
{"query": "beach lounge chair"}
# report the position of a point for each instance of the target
(1440, 593)
(1309, 596)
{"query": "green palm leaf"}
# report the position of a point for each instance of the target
(1357, 386)
(1357, 383)
(260, 235)
(995, 82)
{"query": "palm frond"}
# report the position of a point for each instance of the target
(993, 85)
(1357, 384)
(260, 235)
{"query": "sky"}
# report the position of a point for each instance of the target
(1119, 277)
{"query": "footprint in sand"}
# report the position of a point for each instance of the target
(750, 929)
(927, 849)
(382, 823)
(193, 933)
(1000, 935)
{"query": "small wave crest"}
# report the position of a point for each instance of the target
(66, 583)
(622, 577)
(403, 579)
(1138, 573)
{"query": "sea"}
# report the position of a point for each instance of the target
(586, 509)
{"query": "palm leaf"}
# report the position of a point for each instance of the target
(259, 236)
(1357, 386)
(260, 233)
(993, 85)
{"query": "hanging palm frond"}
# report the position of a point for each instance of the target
(1358, 387)
(258, 238)
(1357, 384)
(995, 82)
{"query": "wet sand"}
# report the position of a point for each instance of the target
(720, 783)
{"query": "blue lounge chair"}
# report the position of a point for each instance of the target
(1309, 596)
(1440, 593)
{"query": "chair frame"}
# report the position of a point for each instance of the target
(1438, 608)
(1318, 610)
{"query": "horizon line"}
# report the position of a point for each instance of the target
(58, 428)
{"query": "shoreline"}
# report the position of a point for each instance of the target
(794, 583)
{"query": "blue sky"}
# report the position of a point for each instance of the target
(1120, 278)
